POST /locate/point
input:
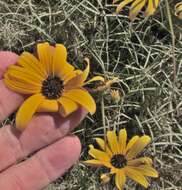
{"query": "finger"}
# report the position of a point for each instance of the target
(43, 130)
(9, 101)
(44, 167)
(6, 58)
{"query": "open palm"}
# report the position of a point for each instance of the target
(31, 159)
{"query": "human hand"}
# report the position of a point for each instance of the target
(45, 141)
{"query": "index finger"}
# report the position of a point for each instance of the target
(6, 58)
(43, 167)
(9, 100)
(44, 129)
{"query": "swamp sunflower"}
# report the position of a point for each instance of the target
(120, 158)
(136, 7)
(51, 83)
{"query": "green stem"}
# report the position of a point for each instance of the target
(173, 44)
(103, 117)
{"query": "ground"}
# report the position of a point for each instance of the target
(139, 53)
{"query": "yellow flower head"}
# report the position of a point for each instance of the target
(106, 84)
(178, 10)
(137, 6)
(115, 95)
(120, 157)
(50, 81)
(105, 178)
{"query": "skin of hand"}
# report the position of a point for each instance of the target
(31, 159)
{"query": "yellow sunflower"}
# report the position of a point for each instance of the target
(120, 158)
(51, 83)
(137, 6)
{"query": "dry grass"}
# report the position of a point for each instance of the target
(139, 53)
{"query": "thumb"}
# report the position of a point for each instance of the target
(6, 58)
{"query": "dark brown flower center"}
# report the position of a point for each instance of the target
(118, 161)
(52, 87)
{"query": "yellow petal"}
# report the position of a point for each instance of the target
(60, 66)
(132, 141)
(93, 162)
(113, 142)
(78, 72)
(45, 55)
(78, 80)
(150, 8)
(99, 155)
(136, 8)
(123, 4)
(114, 170)
(27, 109)
(120, 179)
(146, 170)
(20, 87)
(83, 98)
(69, 75)
(140, 161)
(97, 163)
(96, 78)
(156, 3)
(122, 140)
(48, 106)
(23, 74)
(30, 62)
(103, 146)
(68, 106)
(178, 10)
(140, 144)
(136, 176)
(85, 73)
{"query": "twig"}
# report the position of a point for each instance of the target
(103, 118)
(173, 49)
(173, 41)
